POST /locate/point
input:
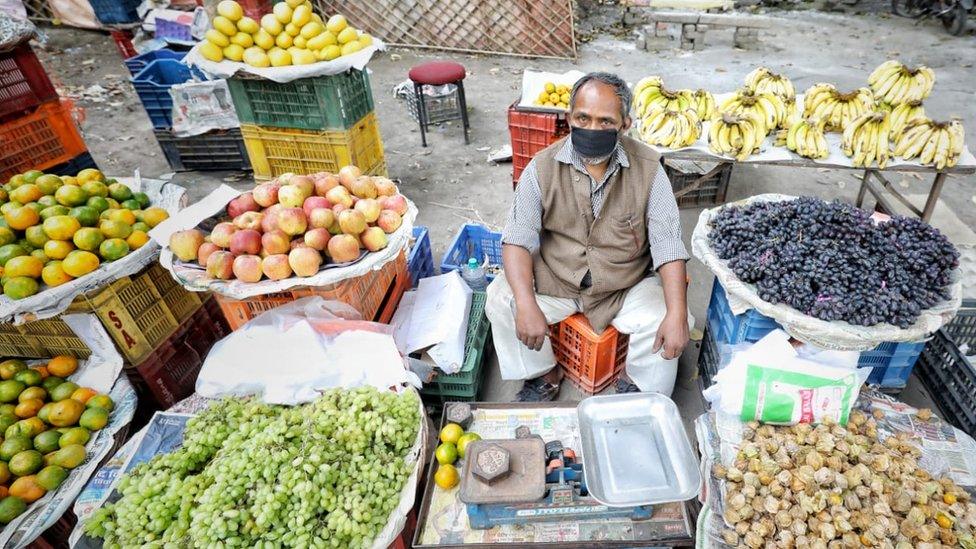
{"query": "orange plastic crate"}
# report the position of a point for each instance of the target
(399, 287)
(531, 132)
(591, 361)
(47, 137)
(364, 293)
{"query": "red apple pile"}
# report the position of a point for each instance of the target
(293, 224)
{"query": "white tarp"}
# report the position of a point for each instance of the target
(227, 68)
(193, 277)
(53, 301)
(533, 82)
(827, 335)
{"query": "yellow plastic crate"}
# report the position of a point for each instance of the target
(181, 303)
(275, 151)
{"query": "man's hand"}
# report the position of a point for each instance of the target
(530, 325)
(672, 335)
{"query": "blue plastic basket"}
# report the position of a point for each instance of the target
(420, 263)
(892, 362)
(112, 12)
(139, 62)
(153, 84)
(172, 29)
(473, 241)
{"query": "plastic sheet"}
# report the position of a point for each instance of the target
(226, 68)
(827, 335)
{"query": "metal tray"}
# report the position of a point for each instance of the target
(635, 450)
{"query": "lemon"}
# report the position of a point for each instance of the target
(282, 12)
(211, 51)
(279, 58)
(224, 25)
(218, 38)
(337, 23)
(321, 41)
(230, 9)
(331, 52)
(242, 39)
(271, 25)
(351, 47)
(256, 57)
(347, 35)
(283, 41)
(302, 57)
(311, 30)
(263, 40)
(446, 477)
(451, 433)
(365, 40)
(301, 15)
(248, 25)
(446, 454)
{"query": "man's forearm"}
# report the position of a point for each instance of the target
(518, 271)
(674, 282)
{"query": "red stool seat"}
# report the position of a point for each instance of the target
(437, 73)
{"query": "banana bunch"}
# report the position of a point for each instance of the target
(703, 103)
(643, 90)
(902, 114)
(737, 135)
(837, 109)
(866, 138)
(806, 138)
(763, 80)
(672, 129)
(895, 83)
(767, 108)
(653, 99)
(935, 143)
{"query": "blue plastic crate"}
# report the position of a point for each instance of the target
(139, 62)
(420, 263)
(892, 361)
(475, 241)
(111, 12)
(153, 84)
(172, 29)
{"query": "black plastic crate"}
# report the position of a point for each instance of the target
(696, 186)
(962, 328)
(708, 358)
(75, 165)
(214, 150)
(951, 380)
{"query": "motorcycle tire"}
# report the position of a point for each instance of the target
(955, 21)
(907, 8)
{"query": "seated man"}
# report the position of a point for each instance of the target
(593, 218)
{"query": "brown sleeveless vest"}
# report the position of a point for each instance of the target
(613, 246)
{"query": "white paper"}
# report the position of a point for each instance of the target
(199, 107)
(105, 363)
(401, 320)
(227, 68)
(438, 322)
(533, 82)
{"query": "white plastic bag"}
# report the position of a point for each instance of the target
(289, 354)
(772, 383)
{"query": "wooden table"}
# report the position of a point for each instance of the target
(873, 181)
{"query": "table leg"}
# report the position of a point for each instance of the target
(933, 198)
(864, 188)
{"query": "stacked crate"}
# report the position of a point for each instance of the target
(37, 128)
(531, 132)
(213, 150)
(308, 125)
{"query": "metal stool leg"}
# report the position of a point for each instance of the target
(463, 105)
(418, 90)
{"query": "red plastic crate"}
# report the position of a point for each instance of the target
(123, 41)
(256, 8)
(364, 293)
(531, 132)
(23, 82)
(47, 137)
(591, 361)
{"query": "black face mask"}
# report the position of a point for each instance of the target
(593, 143)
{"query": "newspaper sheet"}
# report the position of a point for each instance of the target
(447, 519)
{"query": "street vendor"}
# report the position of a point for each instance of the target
(593, 221)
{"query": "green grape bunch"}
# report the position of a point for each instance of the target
(324, 474)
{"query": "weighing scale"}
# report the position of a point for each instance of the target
(527, 480)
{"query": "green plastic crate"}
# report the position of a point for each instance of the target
(334, 102)
(464, 385)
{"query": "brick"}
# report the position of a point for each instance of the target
(674, 16)
(658, 43)
(701, 28)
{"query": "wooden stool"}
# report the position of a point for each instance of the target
(438, 73)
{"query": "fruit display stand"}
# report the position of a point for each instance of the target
(442, 518)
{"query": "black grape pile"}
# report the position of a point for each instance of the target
(831, 261)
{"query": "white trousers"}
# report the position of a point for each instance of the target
(641, 314)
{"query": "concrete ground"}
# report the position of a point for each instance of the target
(452, 183)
